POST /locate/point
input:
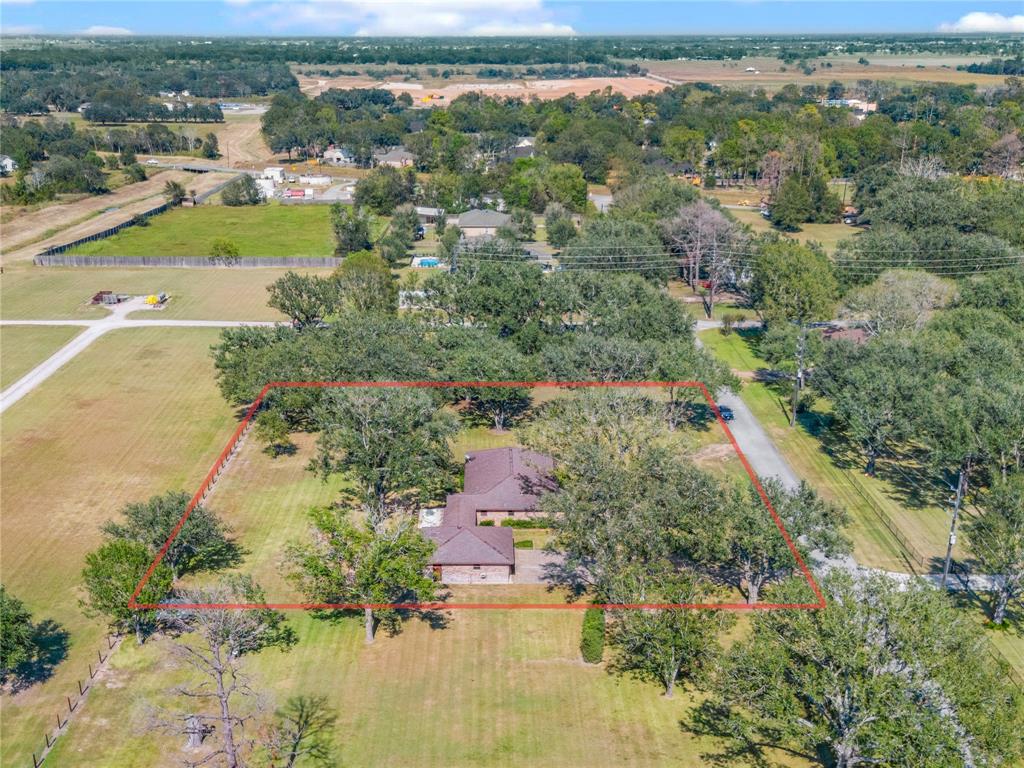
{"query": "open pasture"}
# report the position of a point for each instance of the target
(105, 430)
(263, 230)
(63, 293)
(25, 347)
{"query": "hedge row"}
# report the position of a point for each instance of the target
(592, 640)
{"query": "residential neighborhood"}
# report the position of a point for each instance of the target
(511, 385)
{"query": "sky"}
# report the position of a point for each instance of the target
(502, 17)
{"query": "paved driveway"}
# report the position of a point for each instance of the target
(532, 565)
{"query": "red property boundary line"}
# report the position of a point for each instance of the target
(229, 449)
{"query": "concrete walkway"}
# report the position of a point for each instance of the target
(117, 319)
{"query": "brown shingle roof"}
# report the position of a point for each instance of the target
(471, 546)
(500, 479)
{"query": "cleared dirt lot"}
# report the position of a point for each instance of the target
(439, 95)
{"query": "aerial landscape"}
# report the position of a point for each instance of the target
(530, 383)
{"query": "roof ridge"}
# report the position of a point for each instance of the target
(485, 541)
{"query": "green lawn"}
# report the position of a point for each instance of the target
(262, 230)
(137, 413)
(828, 235)
(489, 688)
(836, 471)
(23, 347)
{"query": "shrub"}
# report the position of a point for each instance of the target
(729, 319)
(592, 640)
(537, 522)
(486, 522)
(524, 544)
(242, 191)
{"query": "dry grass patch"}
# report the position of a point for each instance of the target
(23, 347)
(36, 293)
(135, 414)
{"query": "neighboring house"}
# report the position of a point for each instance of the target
(499, 483)
(7, 164)
(428, 215)
(481, 222)
(521, 152)
(339, 156)
(396, 158)
(274, 172)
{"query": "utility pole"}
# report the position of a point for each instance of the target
(798, 380)
(961, 489)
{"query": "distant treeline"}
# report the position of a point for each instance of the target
(996, 67)
(66, 85)
(48, 55)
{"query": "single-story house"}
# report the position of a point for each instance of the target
(481, 222)
(274, 172)
(338, 156)
(396, 158)
(7, 164)
(499, 483)
(474, 555)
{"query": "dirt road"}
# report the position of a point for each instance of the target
(241, 142)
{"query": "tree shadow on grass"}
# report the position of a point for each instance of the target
(50, 642)
(737, 744)
(230, 554)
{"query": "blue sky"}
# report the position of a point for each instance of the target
(489, 17)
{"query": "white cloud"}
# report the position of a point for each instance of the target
(100, 30)
(979, 21)
(411, 17)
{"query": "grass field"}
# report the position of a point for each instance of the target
(33, 293)
(264, 230)
(26, 346)
(827, 235)
(835, 473)
(105, 430)
(490, 688)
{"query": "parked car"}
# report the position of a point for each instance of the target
(152, 161)
(726, 411)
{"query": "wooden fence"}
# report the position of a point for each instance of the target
(75, 701)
